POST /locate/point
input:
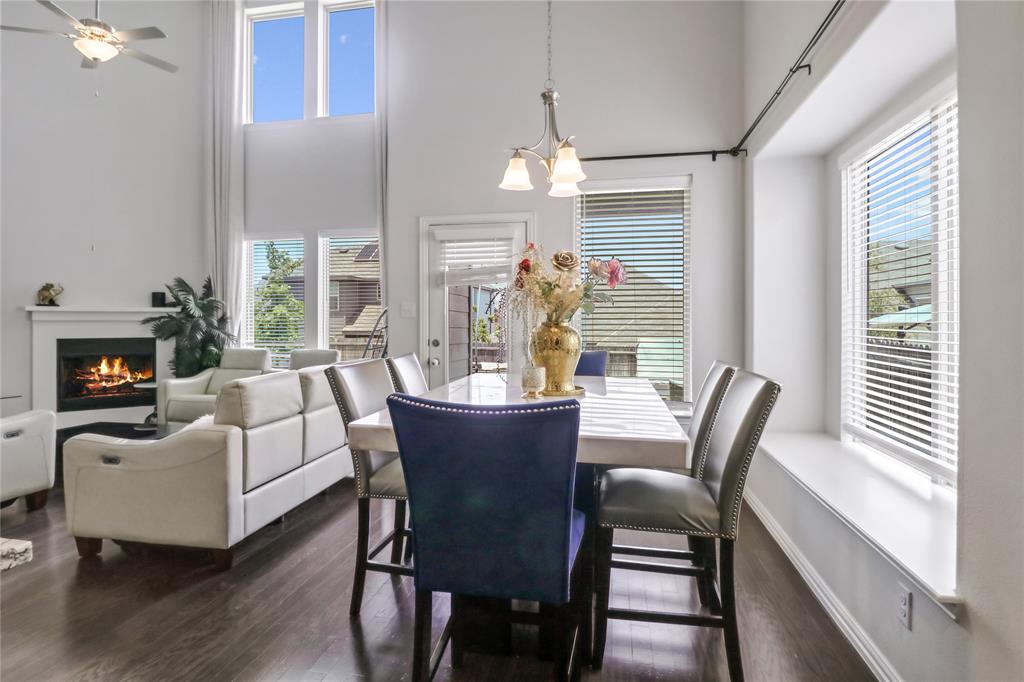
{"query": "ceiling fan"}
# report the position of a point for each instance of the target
(99, 41)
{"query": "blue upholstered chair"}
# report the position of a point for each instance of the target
(491, 497)
(593, 363)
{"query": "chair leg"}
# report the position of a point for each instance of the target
(458, 631)
(698, 548)
(88, 547)
(362, 549)
(223, 558)
(396, 543)
(421, 648)
(603, 538)
(732, 635)
(36, 500)
(408, 549)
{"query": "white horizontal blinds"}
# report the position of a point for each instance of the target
(901, 303)
(275, 297)
(351, 273)
(476, 260)
(646, 330)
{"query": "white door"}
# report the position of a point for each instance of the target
(467, 264)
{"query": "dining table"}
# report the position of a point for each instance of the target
(623, 420)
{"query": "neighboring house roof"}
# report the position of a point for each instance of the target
(348, 260)
(644, 308)
(363, 324)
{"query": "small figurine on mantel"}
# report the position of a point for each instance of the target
(48, 293)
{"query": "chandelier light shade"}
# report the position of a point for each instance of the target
(558, 158)
(564, 189)
(516, 178)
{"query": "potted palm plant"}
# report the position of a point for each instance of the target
(199, 327)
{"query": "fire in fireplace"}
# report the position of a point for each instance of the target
(103, 373)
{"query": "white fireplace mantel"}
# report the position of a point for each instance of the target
(50, 323)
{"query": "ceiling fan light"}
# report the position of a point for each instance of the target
(564, 189)
(96, 50)
(517, 178)
(567, 167)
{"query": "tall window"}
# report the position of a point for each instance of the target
(276, 68)
(901, 299)
(351, 273)
(275, 310)
(340, 55)
(350, 59)
(646, 330)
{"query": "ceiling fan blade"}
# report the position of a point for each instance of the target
(88, 63)
(149, 59)
(25, 29)
(59, 12)
(147, 33)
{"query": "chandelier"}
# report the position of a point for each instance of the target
(560, 162)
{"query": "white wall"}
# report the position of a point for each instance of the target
(990, 37)
(988, 640)
(634, 77)
(102, 170)
(788, 303)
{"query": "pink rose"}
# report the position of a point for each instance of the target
(616, 273)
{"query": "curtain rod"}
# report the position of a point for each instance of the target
(800, 64)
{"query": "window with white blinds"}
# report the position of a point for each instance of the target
(479, 260)
(901, 298)
(646, 329)
(350, 277)
(275, 310)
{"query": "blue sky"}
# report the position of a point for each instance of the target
(278, 66)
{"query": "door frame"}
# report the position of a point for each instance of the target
(429, 222)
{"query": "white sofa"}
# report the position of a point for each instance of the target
(27, 457)
(311, 357)
(273, 442)
(187, 399)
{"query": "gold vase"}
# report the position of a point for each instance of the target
(556, 347)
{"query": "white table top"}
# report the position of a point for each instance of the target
(622, 420)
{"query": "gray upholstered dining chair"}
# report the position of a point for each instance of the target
(407, 373)
(705, 409)
(360, 389)
(707, 508)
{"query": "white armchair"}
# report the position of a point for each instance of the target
(27, 457)
(188, 399)
(311, 357)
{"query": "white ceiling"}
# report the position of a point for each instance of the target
(904, 41)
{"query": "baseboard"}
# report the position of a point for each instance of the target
(851, 629)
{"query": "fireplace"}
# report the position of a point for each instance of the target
(101, 373)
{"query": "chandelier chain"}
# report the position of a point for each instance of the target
(549, 83)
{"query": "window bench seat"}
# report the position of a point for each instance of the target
(901, 513)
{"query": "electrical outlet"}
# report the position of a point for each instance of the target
(905, 606)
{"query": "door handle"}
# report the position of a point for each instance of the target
(433, 362)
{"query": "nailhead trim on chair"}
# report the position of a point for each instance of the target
(731, 533)
(346, 419)
(440, 408)
(652, 529)
(711, 426)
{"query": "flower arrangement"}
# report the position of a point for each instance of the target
(560, 291)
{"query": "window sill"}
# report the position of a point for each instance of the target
(898, 511)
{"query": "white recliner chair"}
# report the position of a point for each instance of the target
(27, 457)
(187, 399)
(311, 357)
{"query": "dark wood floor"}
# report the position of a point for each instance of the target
(282, 613)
